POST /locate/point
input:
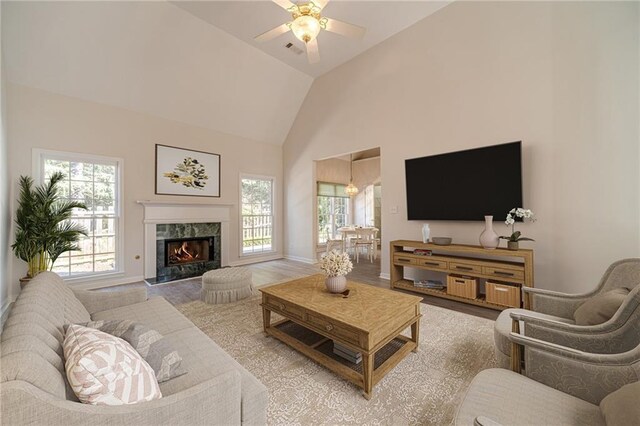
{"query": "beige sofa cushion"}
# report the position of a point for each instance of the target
(600, 308)
(622, 407)
(156, 313)
(161, 355)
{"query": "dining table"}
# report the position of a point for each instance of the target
(367, 232)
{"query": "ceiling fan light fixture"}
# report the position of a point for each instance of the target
(305, 28)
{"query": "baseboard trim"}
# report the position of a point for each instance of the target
(385, 276)
(301, 259)
(255, 259)
(107, 283)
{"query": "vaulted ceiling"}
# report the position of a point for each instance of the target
(247, 19)
(195, 62)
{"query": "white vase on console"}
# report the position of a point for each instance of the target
(489, 239)
(426, 232)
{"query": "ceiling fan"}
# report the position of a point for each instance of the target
(306, 24)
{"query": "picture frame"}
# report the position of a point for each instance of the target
(187, 172)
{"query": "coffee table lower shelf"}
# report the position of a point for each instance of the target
(320, 349)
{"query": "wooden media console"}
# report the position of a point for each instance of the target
(506, 268)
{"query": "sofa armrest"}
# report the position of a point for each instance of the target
(215, 401)
(96, 301)
(553, 302)
(584, 375)
(485, 421)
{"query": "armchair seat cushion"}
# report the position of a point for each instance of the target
(509, 398)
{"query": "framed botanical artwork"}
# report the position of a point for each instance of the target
(182, 171)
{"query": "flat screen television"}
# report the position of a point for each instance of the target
(465, 185)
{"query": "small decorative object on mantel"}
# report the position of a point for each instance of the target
(187, 172)
(336, 265)
(425, 233)
(513, 240)
(489, 239)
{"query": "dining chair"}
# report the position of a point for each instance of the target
(365, 239)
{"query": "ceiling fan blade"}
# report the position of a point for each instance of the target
(273, 33)
(285, 4)
(312, 51)
(345, 29)
(321, 3)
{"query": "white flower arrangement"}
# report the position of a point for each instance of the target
(334, 264)
(511, 221)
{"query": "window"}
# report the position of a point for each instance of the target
(95, 181)
(256, 194)
(333, 210)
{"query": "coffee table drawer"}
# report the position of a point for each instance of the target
(333, 329)
(284, 308)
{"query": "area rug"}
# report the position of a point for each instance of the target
(425, 388)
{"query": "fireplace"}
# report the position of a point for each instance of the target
(185, 250)
(182, 251)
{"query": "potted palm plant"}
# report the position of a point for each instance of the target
(44, 230)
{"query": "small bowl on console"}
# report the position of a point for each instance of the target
(441, 241)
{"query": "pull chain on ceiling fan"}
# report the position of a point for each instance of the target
(307, 22)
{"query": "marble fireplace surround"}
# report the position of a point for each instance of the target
(162, 212)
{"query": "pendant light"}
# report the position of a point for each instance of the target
(351, 189)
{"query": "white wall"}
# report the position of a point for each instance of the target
(39, 119)
(153, 57)
(333, 170)
(562, 77)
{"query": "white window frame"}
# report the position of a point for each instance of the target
(273, 215)
(38, 155)
(348, 215)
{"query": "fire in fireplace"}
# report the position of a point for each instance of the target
(188, 250)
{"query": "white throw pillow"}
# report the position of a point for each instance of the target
(105, 370)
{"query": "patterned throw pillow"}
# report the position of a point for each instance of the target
(105, 370)
(150, 344)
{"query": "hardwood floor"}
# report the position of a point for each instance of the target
(179, 292)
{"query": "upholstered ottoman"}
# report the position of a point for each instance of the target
(226, 285)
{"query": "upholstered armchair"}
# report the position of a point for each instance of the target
(619, 334)
(560, 385)
(623, 273)
(552, 317)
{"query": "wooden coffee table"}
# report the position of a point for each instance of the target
(369, 320)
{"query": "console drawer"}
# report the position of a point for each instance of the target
(503, 272)
(432, 263)
(465, 267)
(403, 259)
(333, 329)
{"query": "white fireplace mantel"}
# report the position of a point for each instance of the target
(161, 212)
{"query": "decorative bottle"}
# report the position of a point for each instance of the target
(489, 239)
(426, 232)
